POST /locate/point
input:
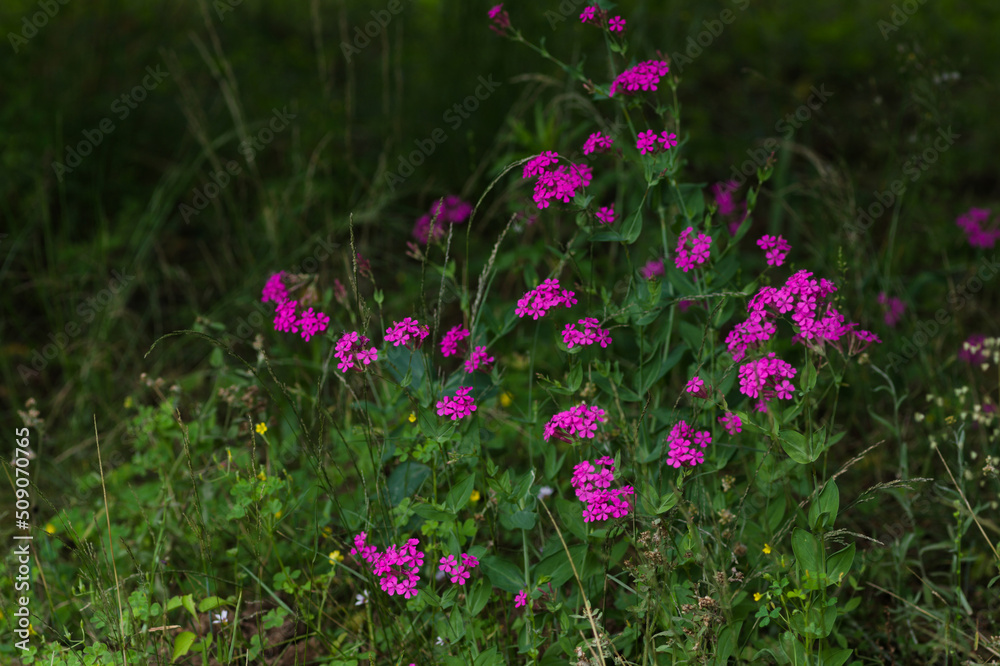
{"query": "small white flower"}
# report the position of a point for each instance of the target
(544, 491)
(439, 641)
(361, 599)
(221, 618)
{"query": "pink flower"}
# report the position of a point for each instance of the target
(560, 183)
(522, 597)
(972, 223)
(894, 309)
(644, 76)
(312, 323)
(352, 352)
(500, 18)
(776, 248)
(580, 421)
(685, 445)
(696, 387)
(606, 214)
(692, 252)
(597, 143)
(731, 422)
(402, 332)
(974, 350)
(479, 360)
(592, 481)
(397, 568)
(451, 340)
(646, 142)
(588, 15)
(285, 319)
(667, 140)
(275, 289)
(459, 572)
(617, 24)
(458, 406)
(536, 302)
(653, 268)
(591, 334)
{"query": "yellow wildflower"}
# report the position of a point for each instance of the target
(474, 497)
(767, 549)
(261, 428)
(757, 596)
(506, 399)
(327, 531)
(335, 557)
(261, 475)
(412, 417)
(50, 528)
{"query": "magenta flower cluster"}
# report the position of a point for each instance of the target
(458, 570)
(592, 482)
(458, 406)
(286, 316)
(726, 206)
(536, 302)
(479, 360)
(397, 568)
(450, 210)
(451, 340)
(592, 333)
(971, 222)
(692, 251)
(776, 249)
(580, 421)
(353, 351)
(597, 143)
(766, 378)
(806, 299)
(606, 215)
(408, 332)
(644, 76)
(560, 183)
(597, 16)
(894, 309)
(650, 142)
(500, 19)
(653, 268)
(686, 445)
(731, 422)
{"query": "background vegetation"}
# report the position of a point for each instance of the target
(101, 262)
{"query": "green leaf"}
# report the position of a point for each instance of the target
(575, 378)
(557, 567)
(432, 512)
(823, 510)
(522, 520)
(632, 227)
(479, 596)
(188, 602)
(839, 565)
(488, 657)
(726, 643)
(503, 574)
(808, 553)
(798, 447)
(210, 603)
(406, 479)
(460, 493)
(808, 376)
(831, 656)
(182, 644)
